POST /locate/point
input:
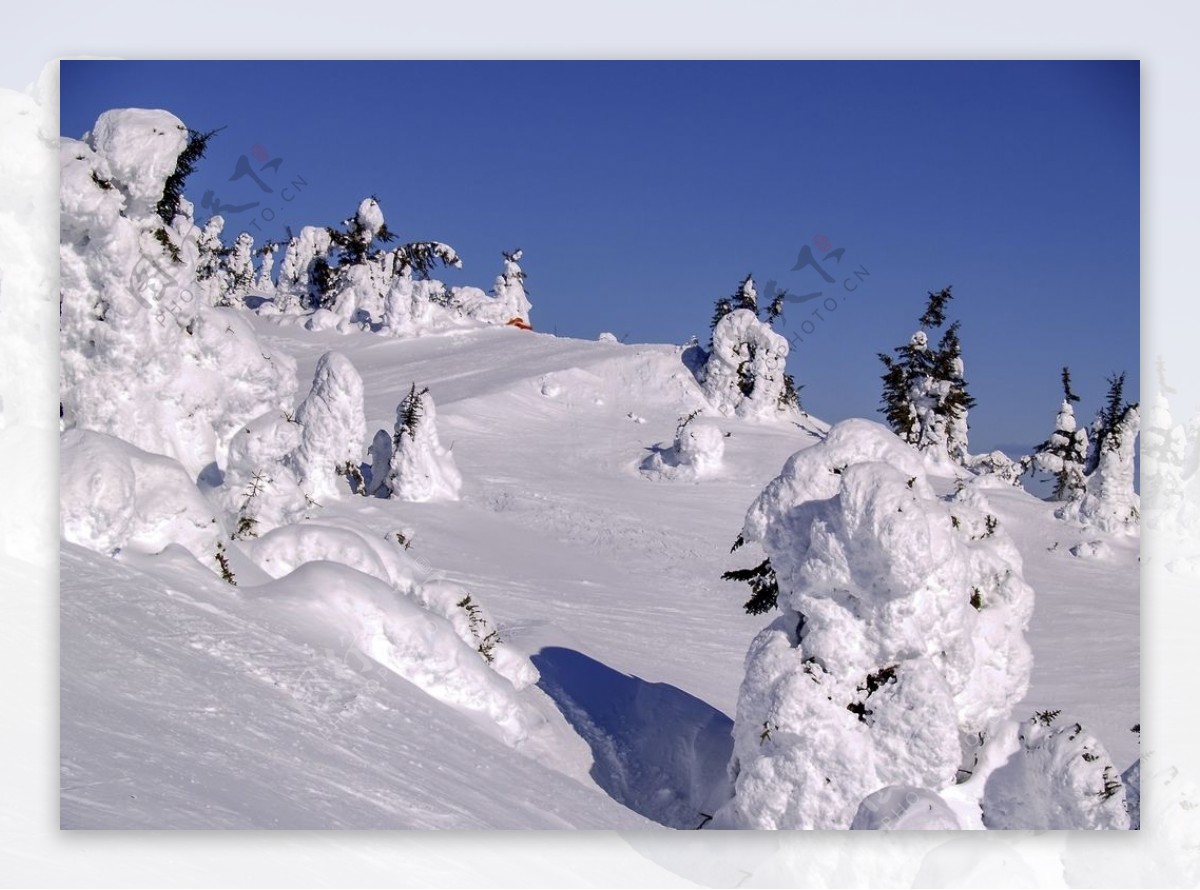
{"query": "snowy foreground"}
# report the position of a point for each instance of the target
(191, 703)
(351, 549)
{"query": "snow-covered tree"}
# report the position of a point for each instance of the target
(744, 374)
(1060, 777)
(240, 265)
(134, 320)
(1110, 502)
(509, 289)
(925, 398)
(696, 452)
(745, 297)
(900, 634)
(265, 282)
(304, 275)
(1064, 454)
(333, 427)
(421, 469)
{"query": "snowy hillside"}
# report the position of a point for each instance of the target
(372, 554)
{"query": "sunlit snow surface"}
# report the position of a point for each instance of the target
(189, 703)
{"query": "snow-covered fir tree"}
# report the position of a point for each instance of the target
(745, 373)
(333, 427)
(925, 397)
(1064, 454)
(901, 634)
(1110, 502)
(240, 265)
(421, 469)
(509, 289)
(265, 283)
(1060, 777)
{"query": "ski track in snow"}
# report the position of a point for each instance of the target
(183, 707)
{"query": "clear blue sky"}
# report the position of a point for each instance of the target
(642, 191)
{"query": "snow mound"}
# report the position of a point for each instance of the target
(904, 808)
(115, 496)
(695, 454)
(345, 610)
(901, 634)
(1059, 777)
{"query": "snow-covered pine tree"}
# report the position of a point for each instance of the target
(1111, 502)
(509, 289)
(900, 634)
(744, 371)
(333, 427)
(240, 264)
(1108, 419)
(421, 469)
(265, 281)
(1064, 454)
(746, 296)
(925, 398)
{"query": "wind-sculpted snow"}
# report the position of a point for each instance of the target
(115, 496)
(326, 602)
(901, 634)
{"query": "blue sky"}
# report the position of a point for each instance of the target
(642, 191)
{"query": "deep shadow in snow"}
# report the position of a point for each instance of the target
(658, 750)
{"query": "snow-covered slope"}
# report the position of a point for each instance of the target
(187, 702)
(509, 611)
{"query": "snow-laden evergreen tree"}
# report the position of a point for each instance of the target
(1064, 454)
(744, 373)
(1110, 502)
(240, 265)
(509, 289)
(900, 634)
(745, 297)
(211, 276)
(421, 469)
(1060, 777)
(265, 282)
(304, 275)
(925, 398)
(695, 454)
(333, 427)
(261, 490)
(134, 320)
